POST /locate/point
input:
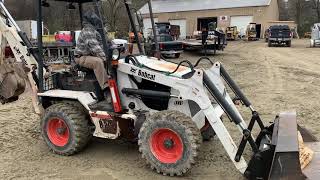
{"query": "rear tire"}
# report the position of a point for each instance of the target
(65, 129)
(169, 141)
(177, 55)
(269, 44)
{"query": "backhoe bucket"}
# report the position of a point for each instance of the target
(12, 82)
(284, 158)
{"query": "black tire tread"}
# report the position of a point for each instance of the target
(78, 121)
(289, 43)
(192, 131)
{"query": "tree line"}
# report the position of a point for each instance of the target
(304, 12)
(57, 17)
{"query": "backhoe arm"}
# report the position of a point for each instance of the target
(14, 76)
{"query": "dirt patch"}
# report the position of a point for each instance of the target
(275, 79)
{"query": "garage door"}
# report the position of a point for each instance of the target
(241, 22)
(183, 27)
(147, 25)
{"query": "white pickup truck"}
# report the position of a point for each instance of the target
(315, 35)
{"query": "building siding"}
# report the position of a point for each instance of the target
(261, 15)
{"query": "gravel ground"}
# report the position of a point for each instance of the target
(275, 79)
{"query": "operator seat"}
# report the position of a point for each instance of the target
(89, 81)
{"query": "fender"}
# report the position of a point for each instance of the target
(84, 98)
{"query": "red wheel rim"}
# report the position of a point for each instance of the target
(166, 145)
(58, 132)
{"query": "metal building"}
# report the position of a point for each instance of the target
(193, 15)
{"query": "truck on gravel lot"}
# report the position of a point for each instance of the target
(279, 34)
(167, 46)
(315, 35)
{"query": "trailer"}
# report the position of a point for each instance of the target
(216, 42)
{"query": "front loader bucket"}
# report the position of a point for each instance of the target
(279, 151)
(282, 159)
(286, 162)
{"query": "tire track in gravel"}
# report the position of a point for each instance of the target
(275, 80)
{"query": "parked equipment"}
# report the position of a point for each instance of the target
(166, 106)
(251, 32)
(232, 33)
(280, 34)
(315, 35)
(307, 35)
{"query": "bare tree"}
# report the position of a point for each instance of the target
(299, 6)
(316, 7)
(113, 12)
(57, 17)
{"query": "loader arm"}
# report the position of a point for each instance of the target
(11, 34)
(275, 151)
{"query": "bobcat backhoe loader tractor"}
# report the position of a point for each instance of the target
(169, 108)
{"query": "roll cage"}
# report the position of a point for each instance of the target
(97, 8)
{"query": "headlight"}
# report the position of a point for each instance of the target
(115, 54)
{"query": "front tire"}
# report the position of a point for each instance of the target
(177, 55)
(312, 43)
(169, 141)
(65, 129)
(289, 43)
(269, 44)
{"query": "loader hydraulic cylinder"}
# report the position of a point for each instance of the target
(146, 93)
(235, 88)
(220, 99)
